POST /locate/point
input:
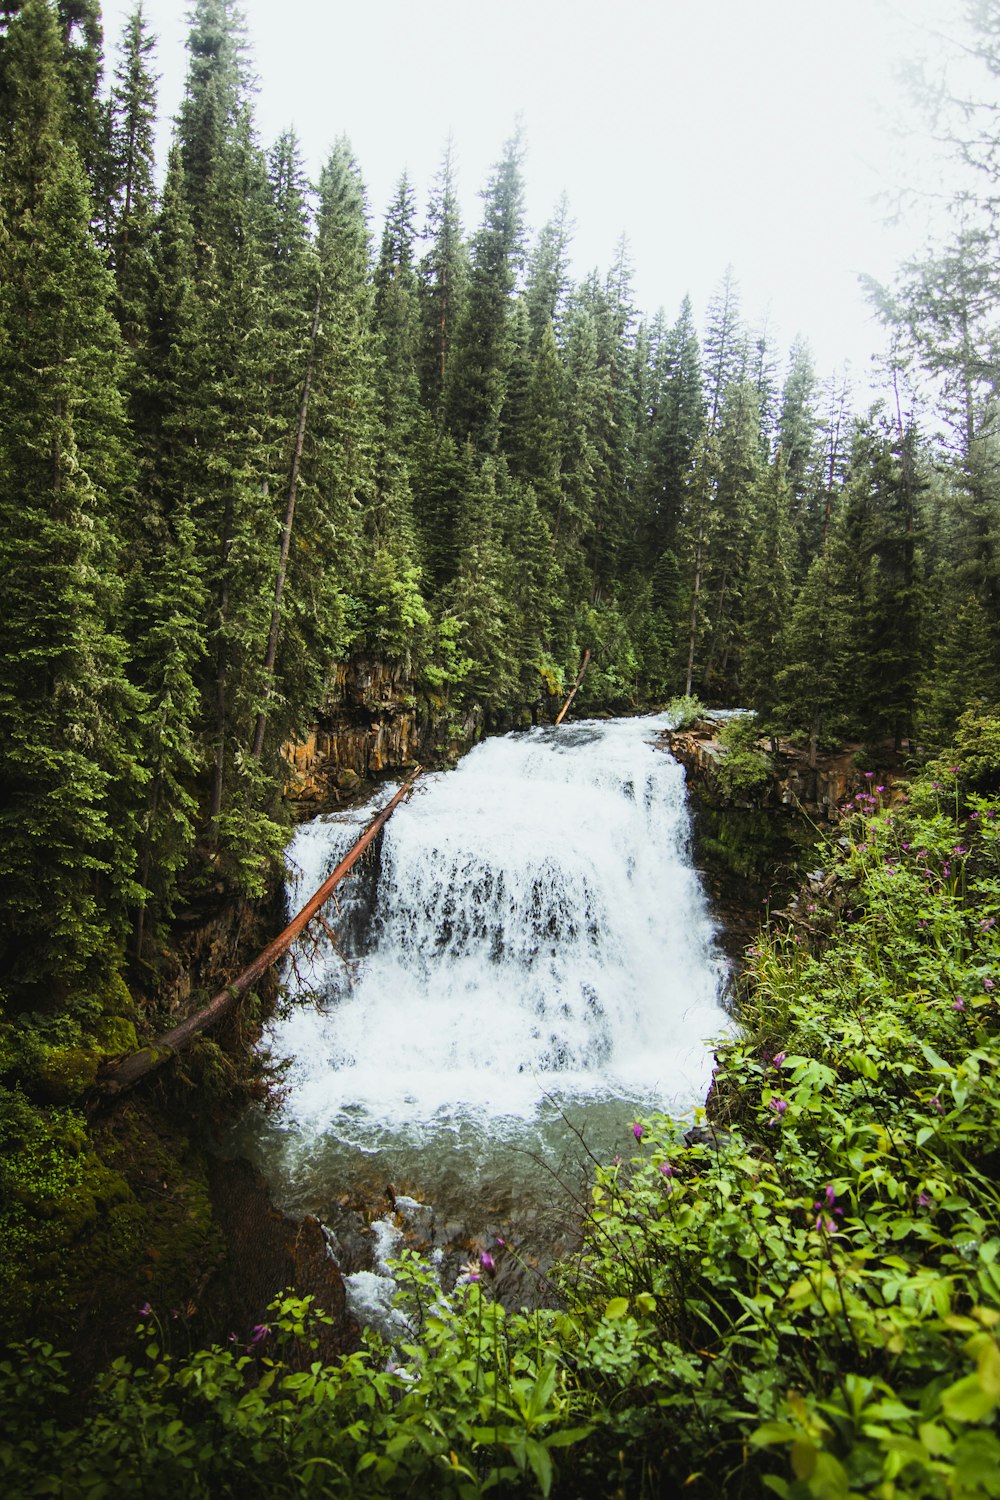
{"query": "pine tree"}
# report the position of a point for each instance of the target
(167, 600)
(397, 320)
(880, 528)
(963, 673)
(548, 280)
(237, 520)
(726, 562)
(813, 680)
(699, 519)
(797, 424)
(477, 379)
(443, 279)
(130, 205)
(544, 429)
(675, 425)
(768, 591)
(68, 753)
(724, 345)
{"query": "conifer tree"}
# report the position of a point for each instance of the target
(768, 591)
(477, 379)
(544, 428)
(130, 202)
(548, 280)
(880, 537)
(699, 519)
(676, 422)
(68, 752)
(443, 279)
(963, 672)
(726, 561)
(167, 599)
(724, 345)
(813, 679)
(237, 520)
(797, 424)
(397, 319)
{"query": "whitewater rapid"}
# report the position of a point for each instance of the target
(538, 940)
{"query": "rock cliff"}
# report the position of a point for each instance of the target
(371, 721)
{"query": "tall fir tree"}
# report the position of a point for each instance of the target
(130, 198)
(443, 280)
(69, 761)
(477, 379)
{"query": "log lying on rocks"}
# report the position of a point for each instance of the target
(121, 1075)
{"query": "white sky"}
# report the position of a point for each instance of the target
(756, 132)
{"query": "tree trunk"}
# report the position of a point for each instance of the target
(286, 537)
(569, 700)
(122, 1075)
(693, 622)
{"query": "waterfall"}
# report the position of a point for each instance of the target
(537, 944)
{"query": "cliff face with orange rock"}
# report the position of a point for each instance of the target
(371, 722)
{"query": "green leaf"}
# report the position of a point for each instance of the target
(616, 1308)
(770, 1433)
(541, 1464)
(967, 1401)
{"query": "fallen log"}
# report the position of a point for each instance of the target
(569, 700)
(127, 1072)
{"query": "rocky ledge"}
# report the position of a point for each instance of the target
(818, 790)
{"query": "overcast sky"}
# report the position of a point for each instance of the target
(770, 134)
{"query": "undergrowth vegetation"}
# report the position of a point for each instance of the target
(800, 1298)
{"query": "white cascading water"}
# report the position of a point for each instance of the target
(540, 945)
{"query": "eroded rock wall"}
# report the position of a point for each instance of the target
(371, 721)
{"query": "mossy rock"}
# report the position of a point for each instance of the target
(116, 1035)
(66, 1073)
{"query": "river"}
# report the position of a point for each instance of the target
(530, 967)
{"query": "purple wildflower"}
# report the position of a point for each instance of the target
(778, 1107)
(779, 1058)
(666, 1170)
(486, 1261)
(145, 1311)
(958, 1003)
(260, 1333)
(637, 1131)
(936, 1104)
(988, 983)
(923, 1201)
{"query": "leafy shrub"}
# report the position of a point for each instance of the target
(743, 770)
(685, 711)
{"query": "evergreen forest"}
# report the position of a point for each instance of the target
(247, 435)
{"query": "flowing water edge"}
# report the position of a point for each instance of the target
(531, 966)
